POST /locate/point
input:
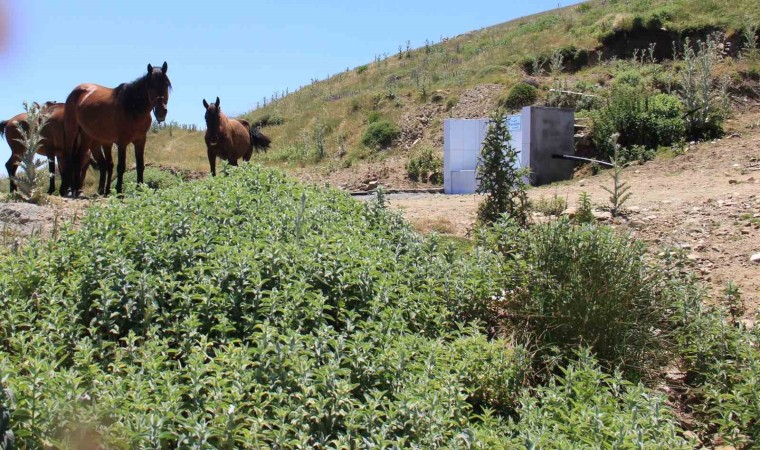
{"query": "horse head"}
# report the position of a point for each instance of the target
(158, 90)
(213, 122)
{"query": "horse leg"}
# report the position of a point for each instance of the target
(109, 168)
(140, 159)
(212, 162)
(11, 167)
(121, 166)
(84, 157)
(62, 170)
(51, 169)
(233, 162)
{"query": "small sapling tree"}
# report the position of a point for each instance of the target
(30, 179)
(499, 176)
(619, 192)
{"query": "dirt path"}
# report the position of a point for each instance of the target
(706, 202)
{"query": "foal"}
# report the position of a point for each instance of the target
(230, 139)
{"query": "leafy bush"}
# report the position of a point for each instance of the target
(154, 178)
(706, 102)
(588, 285)
(7, 438)
(361, 69)
(585, 212)
(640, 120)
(584, 404)
(267, 120)
(580, 97)
(374, 116)
(722, 361)
(521, 94)
(380, 134)
(248, 311)
(425, 166)
(552, 206)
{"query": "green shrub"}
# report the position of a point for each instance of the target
(451, 102)
(640, 120)
(590, 286)
(267, 120)
(374, 116)
(521, 94)
(585, 211)
(361, 69)
(425, 166)
(380, 134)
(154, 178)
(723, 372)
(552, 206)
(707, 102)
(248, 311)
(584, 404)
(7, 438)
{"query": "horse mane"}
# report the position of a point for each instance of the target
(133, 96)
(3, 124)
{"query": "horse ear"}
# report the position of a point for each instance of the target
(217, 102)
(205, 103)
(150, 68)
(164, 68)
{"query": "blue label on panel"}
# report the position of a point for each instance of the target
(514, 123)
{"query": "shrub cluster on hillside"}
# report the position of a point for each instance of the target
(425, 166)
(248, 311)
(521, 94)
(380, 134)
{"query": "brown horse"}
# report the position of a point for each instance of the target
(51, 145)
(230, 139)
(121, 115)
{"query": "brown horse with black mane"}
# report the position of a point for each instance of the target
(230, 139)
(121, 115)
(51, 145)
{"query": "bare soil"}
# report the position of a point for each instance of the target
(706, 202)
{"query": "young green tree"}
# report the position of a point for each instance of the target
(30, 180)
(499, 176)
(619, 192)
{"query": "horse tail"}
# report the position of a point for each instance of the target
(260, 141)
(3, 124)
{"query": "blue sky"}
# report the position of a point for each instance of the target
(239, 51)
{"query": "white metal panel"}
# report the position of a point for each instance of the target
(463, 140)
(463, 182)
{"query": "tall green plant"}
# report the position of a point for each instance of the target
(705, 99)
(499, 176)
(30, 180)
(619, 191)
(585, 211)
(749, 33)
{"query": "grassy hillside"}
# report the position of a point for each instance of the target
(321, 125)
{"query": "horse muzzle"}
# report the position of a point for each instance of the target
(160, 115)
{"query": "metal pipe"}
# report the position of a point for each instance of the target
(579, 158)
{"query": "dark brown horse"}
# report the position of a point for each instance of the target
(121, 115)
(51, 145)
(230, 139)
